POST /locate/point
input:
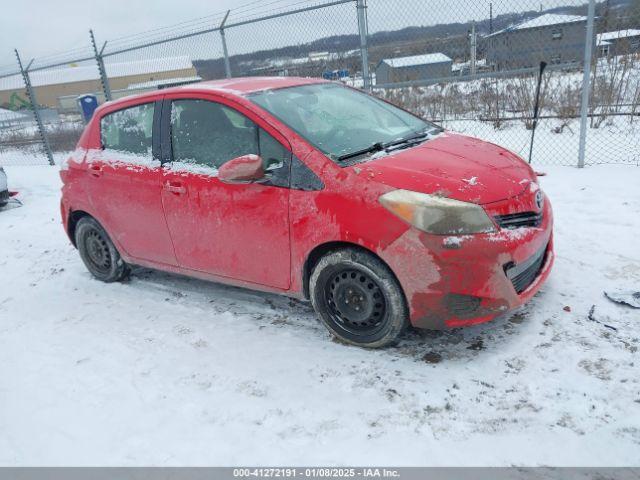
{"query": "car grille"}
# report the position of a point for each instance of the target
(462, 306)
(523, 274)
(517, 220)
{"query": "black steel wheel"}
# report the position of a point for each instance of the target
(358, 298)
(98, 252)
(355, 301)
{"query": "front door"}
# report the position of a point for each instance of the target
(125, 183)
(239, 231)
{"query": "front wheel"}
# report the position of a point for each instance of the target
(98, 252)
(358, 298)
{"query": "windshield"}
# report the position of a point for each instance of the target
(340, 121)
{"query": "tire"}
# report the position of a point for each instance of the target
(358, 298)
(98, 252)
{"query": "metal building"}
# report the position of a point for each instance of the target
(619, 42)
(552, 38)
(52, 85)
(416, 67)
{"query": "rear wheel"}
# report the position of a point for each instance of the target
(358, 298)
(98, 252)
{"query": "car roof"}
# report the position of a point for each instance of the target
(244, 85)
(231, 86)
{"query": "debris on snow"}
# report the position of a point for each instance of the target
(624, 297)
(592, 317)
(432, 357)
(217, 362)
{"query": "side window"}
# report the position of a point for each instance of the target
(128, 130)
(276, 160)
(208, 134)
(273, 154)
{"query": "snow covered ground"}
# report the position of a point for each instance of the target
(616, 142)
(172, 371)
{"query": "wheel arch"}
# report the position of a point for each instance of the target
(323, 249)
(72, 222)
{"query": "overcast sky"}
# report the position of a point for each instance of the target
(40, 27)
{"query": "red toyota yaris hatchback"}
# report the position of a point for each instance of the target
(310, 189)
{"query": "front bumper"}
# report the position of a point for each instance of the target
(460, 281)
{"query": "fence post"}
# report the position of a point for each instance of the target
(104, 80)
(34, 106)
(586, 83)
(473, 48)
(227, 66)
(364, 49)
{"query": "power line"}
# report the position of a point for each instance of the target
(189, 29)
(251, 10)
(190, 26)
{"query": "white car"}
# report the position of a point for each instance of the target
(4, 190)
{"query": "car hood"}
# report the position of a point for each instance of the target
(455, 166)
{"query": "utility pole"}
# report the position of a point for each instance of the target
(227, 65)
(490, 18)
(473, 48)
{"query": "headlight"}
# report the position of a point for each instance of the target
(437, 215)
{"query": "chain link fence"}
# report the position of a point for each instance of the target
(474, 67)
(508, 71)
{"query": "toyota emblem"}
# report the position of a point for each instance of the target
(539, 199)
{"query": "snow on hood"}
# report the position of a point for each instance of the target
(455, 166)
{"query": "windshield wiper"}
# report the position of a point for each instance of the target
(379, 146)
(409, 139)
(376, 147)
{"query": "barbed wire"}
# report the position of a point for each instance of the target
(197, 22)
(209, 22)
(475, 91)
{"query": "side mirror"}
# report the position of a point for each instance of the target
(244, 169)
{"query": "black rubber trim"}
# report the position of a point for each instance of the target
(155, 136)
(523, 274)
(302, 178)
(165, 132)
(516, 220)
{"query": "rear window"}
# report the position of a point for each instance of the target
(128, 130)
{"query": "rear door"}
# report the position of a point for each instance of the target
(236, 231)
(125, 182)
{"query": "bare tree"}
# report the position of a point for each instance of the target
(521, 96)
(613, 86)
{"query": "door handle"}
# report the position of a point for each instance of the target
(95, 170)
(175, 187)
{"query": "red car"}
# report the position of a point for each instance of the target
(311, 189)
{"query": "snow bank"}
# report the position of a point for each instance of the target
(172, 371)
